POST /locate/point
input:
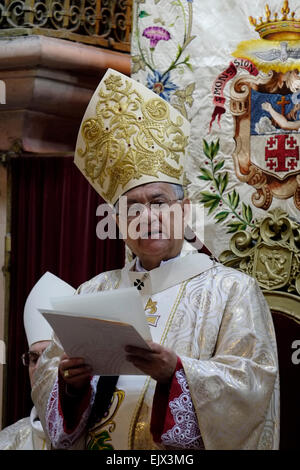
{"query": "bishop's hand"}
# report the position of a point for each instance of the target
(75, 372)
(159, 363)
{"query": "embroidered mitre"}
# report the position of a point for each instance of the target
(130, 136)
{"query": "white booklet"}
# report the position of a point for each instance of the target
(99, 326)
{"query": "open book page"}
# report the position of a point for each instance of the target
(99, 326)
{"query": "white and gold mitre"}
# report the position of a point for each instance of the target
(130, 136)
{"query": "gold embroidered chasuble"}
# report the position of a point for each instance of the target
(218, 323)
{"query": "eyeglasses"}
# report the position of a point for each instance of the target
(30, 358)
(132, 211)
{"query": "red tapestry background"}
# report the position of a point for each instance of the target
(53, 229)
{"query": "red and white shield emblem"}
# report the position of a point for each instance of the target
(276, 155)
(267, 134)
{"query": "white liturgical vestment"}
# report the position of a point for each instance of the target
(219, 324)
(25, 434)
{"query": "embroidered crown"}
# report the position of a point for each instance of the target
(130, 136)
(286, 28)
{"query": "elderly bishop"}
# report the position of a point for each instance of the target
(210, 377)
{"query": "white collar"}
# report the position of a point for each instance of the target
(139, 268)
(183, 267)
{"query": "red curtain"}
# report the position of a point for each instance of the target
(53, 229)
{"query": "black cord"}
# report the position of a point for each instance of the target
(105, 389)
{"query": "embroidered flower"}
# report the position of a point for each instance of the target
(161, 85)
(155, 34)
(113, 83)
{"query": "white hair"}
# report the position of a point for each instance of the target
(178, 190)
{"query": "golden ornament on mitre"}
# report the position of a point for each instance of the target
(129, 136)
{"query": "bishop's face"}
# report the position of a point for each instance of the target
(151, 220)
(35, 351)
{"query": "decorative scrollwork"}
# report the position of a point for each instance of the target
(40, 14)
(270, 252)
(15, 13)
(262, 198)
(102, 22)
(240, 91)
(57, 16)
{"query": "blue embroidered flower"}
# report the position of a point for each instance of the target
(161, 85)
